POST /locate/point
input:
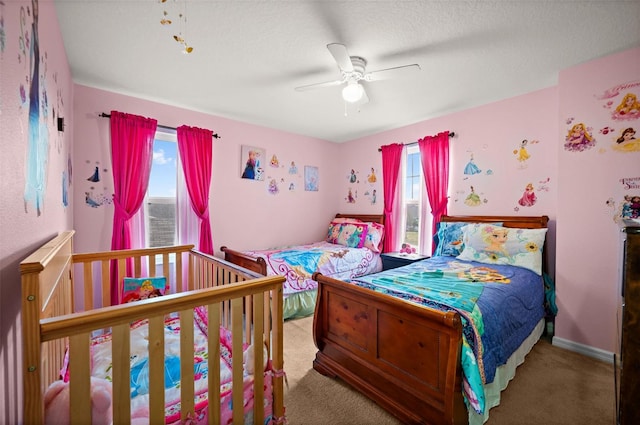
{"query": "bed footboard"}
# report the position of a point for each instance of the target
(257, 265)
(404, 357)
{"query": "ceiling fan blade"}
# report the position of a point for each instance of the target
(384, 74)
(365, 99)
(320, 85)
(341, 56)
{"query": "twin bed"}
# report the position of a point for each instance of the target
(338, 257)
(438, 340)
(215, 335)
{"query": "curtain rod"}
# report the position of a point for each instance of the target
(166, 127)
(451, 134)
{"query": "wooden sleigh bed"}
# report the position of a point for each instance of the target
(404, 356)
(300, 289)
(239, 305)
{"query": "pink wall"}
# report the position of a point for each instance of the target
(491, 133)
(243, 213)
(21, 228)
(590, 196)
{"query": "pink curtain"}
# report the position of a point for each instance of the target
(391, 157)
(434, 154)
(196, 148)
(131, 155)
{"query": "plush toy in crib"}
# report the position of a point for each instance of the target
(56, 402)
(249, 355)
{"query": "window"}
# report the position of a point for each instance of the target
(416, 218)
(160, 203)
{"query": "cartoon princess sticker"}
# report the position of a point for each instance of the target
(274, 161)
(372, 196)
(473, 199)
(528, 198)
(579, 138)
(95, 177)
(627, 141)
(522, 154)
(372, 177)
(471, 168)
(273, 187)
(628, 109)
(353, 178)
(95, 201)
(350, 199)
(292, 168)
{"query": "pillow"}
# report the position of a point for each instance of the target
(375, 232)
(141, 288)
(449, 238)
(334, 231)
(373, 240)
(352, 235)
(491, 244)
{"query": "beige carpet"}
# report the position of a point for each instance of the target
(553, 386)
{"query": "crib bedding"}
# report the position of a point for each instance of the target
(500, 305)
(298, 263)
(101, 367)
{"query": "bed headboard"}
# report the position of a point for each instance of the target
(525, 222)
(376, 218)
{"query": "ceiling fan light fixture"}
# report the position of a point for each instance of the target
(352, 92)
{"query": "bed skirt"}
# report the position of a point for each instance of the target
(300, 304)
(504, 374)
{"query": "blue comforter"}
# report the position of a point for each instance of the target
(499, 304)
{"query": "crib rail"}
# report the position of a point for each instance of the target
(78, 327)
(99, 267)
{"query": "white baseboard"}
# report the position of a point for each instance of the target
(596, 353)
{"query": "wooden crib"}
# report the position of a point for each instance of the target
(248, 305)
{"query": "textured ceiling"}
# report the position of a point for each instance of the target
(248, 56)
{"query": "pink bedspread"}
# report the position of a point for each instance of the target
(298, 263)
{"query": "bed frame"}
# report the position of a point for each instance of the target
(418, 377)
(250, 306)
(259, 266)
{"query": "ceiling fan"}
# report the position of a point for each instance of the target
(353, 71)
